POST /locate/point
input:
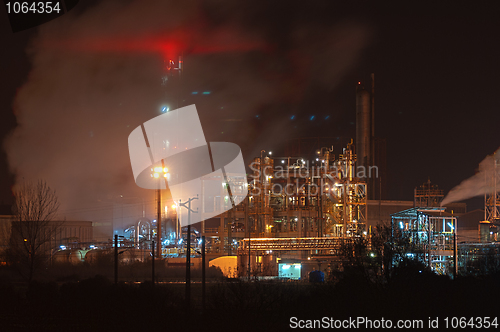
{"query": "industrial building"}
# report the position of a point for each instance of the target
(300, 210)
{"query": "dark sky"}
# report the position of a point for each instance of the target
(436, 65)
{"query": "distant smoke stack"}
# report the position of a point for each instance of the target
(363, 125)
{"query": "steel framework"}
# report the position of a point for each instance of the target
(307, 243)
(492, 199)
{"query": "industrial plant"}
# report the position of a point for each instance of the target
(301, 212)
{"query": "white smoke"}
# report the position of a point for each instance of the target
(479, 184)
(77, 107)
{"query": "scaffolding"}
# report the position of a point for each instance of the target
(428, 195)
(492, 199)
(291, 197)
(294, 198)
(431, 237)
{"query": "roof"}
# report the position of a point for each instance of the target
(429, 211)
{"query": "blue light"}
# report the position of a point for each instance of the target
(451, 226)
(62, 247)
(292, 117)
(207, 92)
(326, 118)
(194, 92)
(311, 118)
(401, 225)
(165, 109)
(180, 241)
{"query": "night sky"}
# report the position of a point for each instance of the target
(436, 68)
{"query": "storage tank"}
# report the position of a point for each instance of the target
(73, 256)
(316, 276)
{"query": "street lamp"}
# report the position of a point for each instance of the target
(159, 173)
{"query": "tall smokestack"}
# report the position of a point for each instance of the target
(363, 126)
(373, 105)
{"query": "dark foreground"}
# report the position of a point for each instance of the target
(96, 304)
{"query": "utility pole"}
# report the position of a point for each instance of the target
(187, 205)
(203, 276)
(188, 266)
(159, 173)
(116, 259)
(229, 224)
(153, 262)
(158, 221)
(455, 251)
(249, 259)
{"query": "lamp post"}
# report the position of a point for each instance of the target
(159, 173)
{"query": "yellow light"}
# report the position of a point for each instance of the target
(174, 206)
(165, 170)
(157, 169)
(165, 175)
(156, 175)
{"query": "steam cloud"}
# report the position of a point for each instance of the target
(479, 184)
(91, 84)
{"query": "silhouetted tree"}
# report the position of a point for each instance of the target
(32, 229)
(388, 245)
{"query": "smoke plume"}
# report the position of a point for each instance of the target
(96, 75)
(479, 184)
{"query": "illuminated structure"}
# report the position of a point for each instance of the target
(295, 209)
(159, 173)
(429, 235)
(489, 228)
(428, 195)
(290, 198)
(492, 199)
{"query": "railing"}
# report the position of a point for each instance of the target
(211, 230)
(307, 243)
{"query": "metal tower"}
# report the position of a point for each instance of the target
(492, 199)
